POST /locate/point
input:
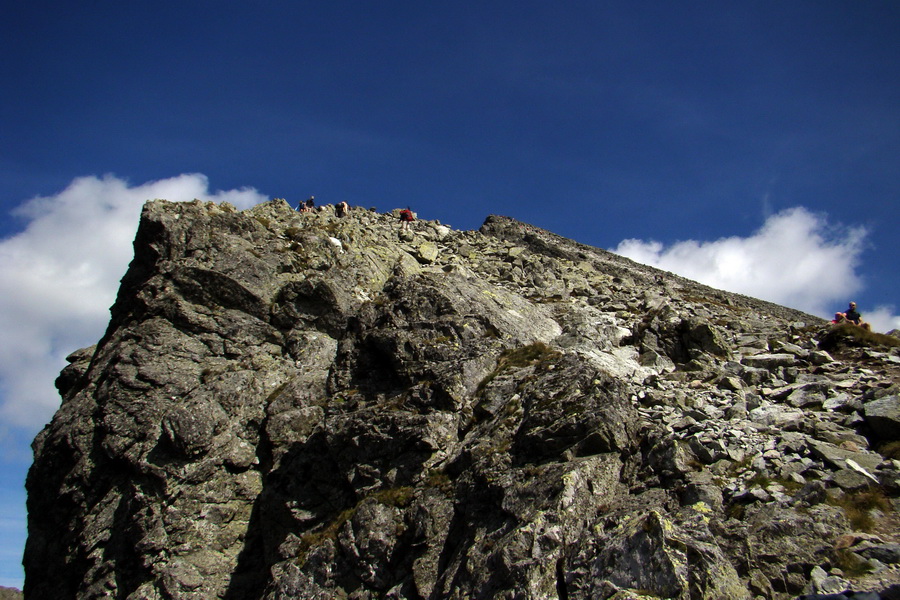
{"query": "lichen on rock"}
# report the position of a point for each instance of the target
(501, 413)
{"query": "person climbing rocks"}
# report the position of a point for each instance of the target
(310, 203)
(341, 209)
(406, 217)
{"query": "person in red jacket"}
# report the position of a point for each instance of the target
(406, 217)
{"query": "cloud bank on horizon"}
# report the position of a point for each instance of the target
(60, 274)
(795, 259)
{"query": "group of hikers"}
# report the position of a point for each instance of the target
(851, 316)
(406, 215)
(308, 205)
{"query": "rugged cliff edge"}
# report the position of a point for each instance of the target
(294, 405)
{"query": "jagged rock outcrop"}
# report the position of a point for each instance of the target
(293, 405)
(10, 593)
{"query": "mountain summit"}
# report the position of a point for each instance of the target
(300, 405)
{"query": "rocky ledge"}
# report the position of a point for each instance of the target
(293, 405)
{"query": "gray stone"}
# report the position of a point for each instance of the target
(838, 457)
(644, 555)
(849, 479)
(775, 415)
(823, 583)
(805, 396)
(883, 415)
(769, 361)
(441, 231)
(888, 553)
(841, 402)
(731, 383)
(427, 252)
(820, 357)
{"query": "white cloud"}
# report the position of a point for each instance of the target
(59, 276)
(795, 259)
(883, 318)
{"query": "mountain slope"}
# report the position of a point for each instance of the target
(293, 405)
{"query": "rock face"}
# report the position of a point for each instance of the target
(499, 413)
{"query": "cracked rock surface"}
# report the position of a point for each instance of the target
(296, 405)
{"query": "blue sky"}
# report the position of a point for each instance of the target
(751, 145)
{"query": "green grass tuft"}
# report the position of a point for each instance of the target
(890, 450)
(517, 358)
(858, 507)
(399, 497)
(849, 335)
(852, 564)
(527, 356)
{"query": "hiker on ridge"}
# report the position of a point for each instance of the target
(852, 315)
(341, 209)
(406, 217)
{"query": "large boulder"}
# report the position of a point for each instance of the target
(883, 416)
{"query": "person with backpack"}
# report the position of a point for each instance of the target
(406, 217)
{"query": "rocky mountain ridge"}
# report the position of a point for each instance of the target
(296, 405)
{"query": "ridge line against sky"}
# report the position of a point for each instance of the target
(59, 275)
